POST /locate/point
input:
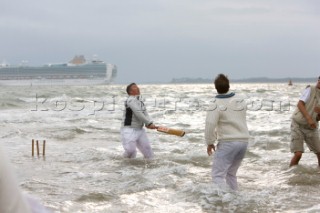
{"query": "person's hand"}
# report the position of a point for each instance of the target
(311, 123)
(317, 109)
(210, 148)
(151, 126)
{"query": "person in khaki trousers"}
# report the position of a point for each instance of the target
(304, 124)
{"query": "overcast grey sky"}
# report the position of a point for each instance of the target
(157, 40)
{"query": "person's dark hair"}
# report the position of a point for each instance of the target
(221, 82)
(129, 87)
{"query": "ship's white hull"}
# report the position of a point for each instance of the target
(75, 73)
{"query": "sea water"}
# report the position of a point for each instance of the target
(83, 169)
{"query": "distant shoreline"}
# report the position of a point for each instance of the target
(246, 80)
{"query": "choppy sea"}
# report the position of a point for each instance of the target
(83, 169)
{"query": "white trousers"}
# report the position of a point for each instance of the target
(226, 162)
(12, 200)
(133, 138)
(11, 197)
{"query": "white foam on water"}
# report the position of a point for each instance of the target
(84, 171)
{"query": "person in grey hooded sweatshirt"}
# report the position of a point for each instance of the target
(135, 117)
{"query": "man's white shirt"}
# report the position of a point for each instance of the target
(305, 95)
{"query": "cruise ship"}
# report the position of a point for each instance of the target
(76, 72)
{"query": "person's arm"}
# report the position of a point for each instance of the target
(317, 110)
(151, 125)
(301, 106)
(135, 106)
(210, 129)
(305, 96)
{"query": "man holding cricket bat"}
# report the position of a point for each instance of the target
(135, 116)
(226, 123)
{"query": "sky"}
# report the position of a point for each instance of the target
(158, 40)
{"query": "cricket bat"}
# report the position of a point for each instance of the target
(170, 131)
